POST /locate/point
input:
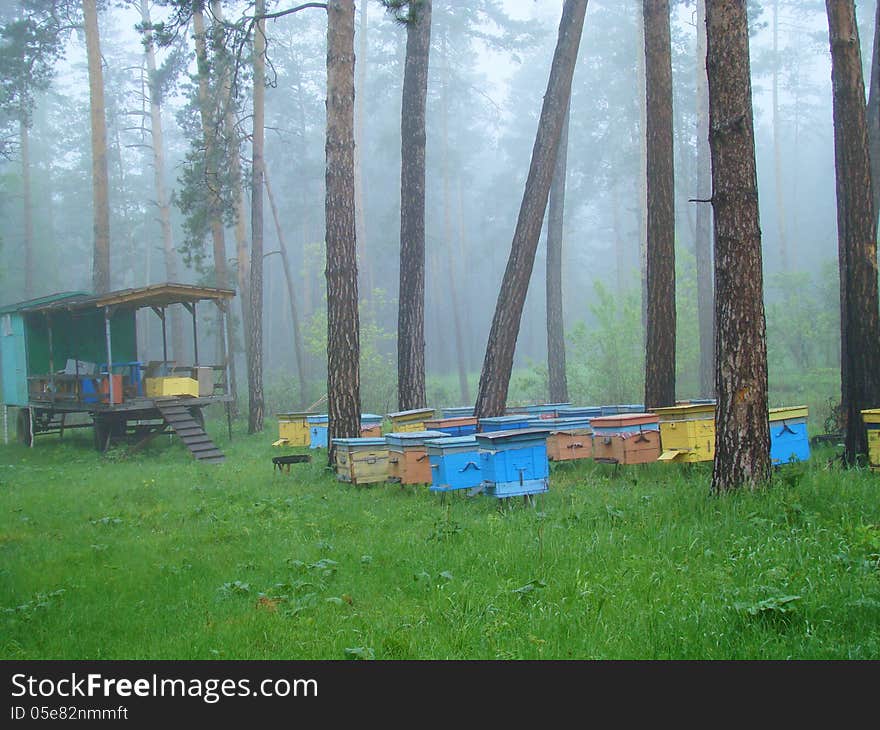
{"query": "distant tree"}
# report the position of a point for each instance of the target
(660, 335)
(411, 296)
(557, 381)
(742, 442)
(498, 361)
(343, 328)
(856, 230)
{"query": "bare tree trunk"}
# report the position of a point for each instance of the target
(162, 199)
(27, 209)
(255, 361)
(498, 362)
(215, 203)
(874, 113)
(411, 295)
(742, 443)
(100, 183)
(703, 242)
(298, 350)
(343, 328)
(856, 230)
(364, 263)
(660, 334)
(777, 146)
(558, 384)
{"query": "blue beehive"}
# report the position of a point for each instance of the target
(455, 463)
(505, 423)
(546, 410)
(610, 410)
(579, 412)
(514, 463)
(318, 426)
(631, 408)
(458, 411)
(788, 435)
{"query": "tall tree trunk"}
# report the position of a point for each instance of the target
(343, 327)
(411, 295)
(558, 383)
(703, 242)
(255, 361)
(27, 209)
(742, 442)
(874, 113)
(856, 230)
(777, 146)
(660, 335)
(298, 350)
(162, 199)
(215, 203)
(364, 264)
(100, 183)
(498, 361)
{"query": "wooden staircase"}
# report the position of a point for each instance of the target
(190, 431)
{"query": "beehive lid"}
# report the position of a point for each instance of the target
(624, 419)
(318, 418)
(871, 415)
(451, 443)
(546, 407)
(573, 411)
(503, 420)
(631, 408)
(292, 416)
(371, 417)
(360, 442)
(521, 435)
(412, 438)
(560, 424)
(415, 414)
(456, 421)
(696, 411)
(788, 412)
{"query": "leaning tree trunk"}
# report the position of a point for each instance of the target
(660, 334)
(557, 382)
(100, 183)
(856, 230)
(874, 114)
(411, 311)
(255, 361)
(703, 242)
(343, 336)
(742, 441)
(27, 206)
(498, 361)
(162, 199)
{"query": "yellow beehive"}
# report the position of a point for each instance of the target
(787, 413)
(293, 429)
(687, 432)
(169, 386)
(408, 421)
(361, 460)
(871, 418)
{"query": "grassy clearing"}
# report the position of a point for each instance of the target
(155, 556)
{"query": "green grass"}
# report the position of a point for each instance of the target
(156, 556)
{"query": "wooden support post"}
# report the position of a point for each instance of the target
(110, 389)
(227, 353)
(31, 421)
(195, 336)
(51, 357)
(5, 424)
(164, 337)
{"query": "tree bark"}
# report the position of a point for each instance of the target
(411, 296)
(874, 114)
(660, 333)
(558, 383)
(856, 230)
(703, 243)
(343, 329)
(742, 442)
(498, 361)
(163, 202)
(255, 361)
(100, 183)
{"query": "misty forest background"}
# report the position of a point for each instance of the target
(488, 71)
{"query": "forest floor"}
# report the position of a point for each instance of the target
(155, 556)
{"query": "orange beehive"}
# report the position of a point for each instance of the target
(627, 438)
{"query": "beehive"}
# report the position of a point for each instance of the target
(318, 427)
(546, 410)
(408, 456)
(371, 425)
(413, 420)
(626, 438)
(168, 386)
(361, 460)
(455, 463)
(514, 463)
(460, 426)
(293, 429)
(788, 435)
(570, 438)
(579, 412)
(871, 419)
(687, 432)
(457, 411)
(504, 423)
